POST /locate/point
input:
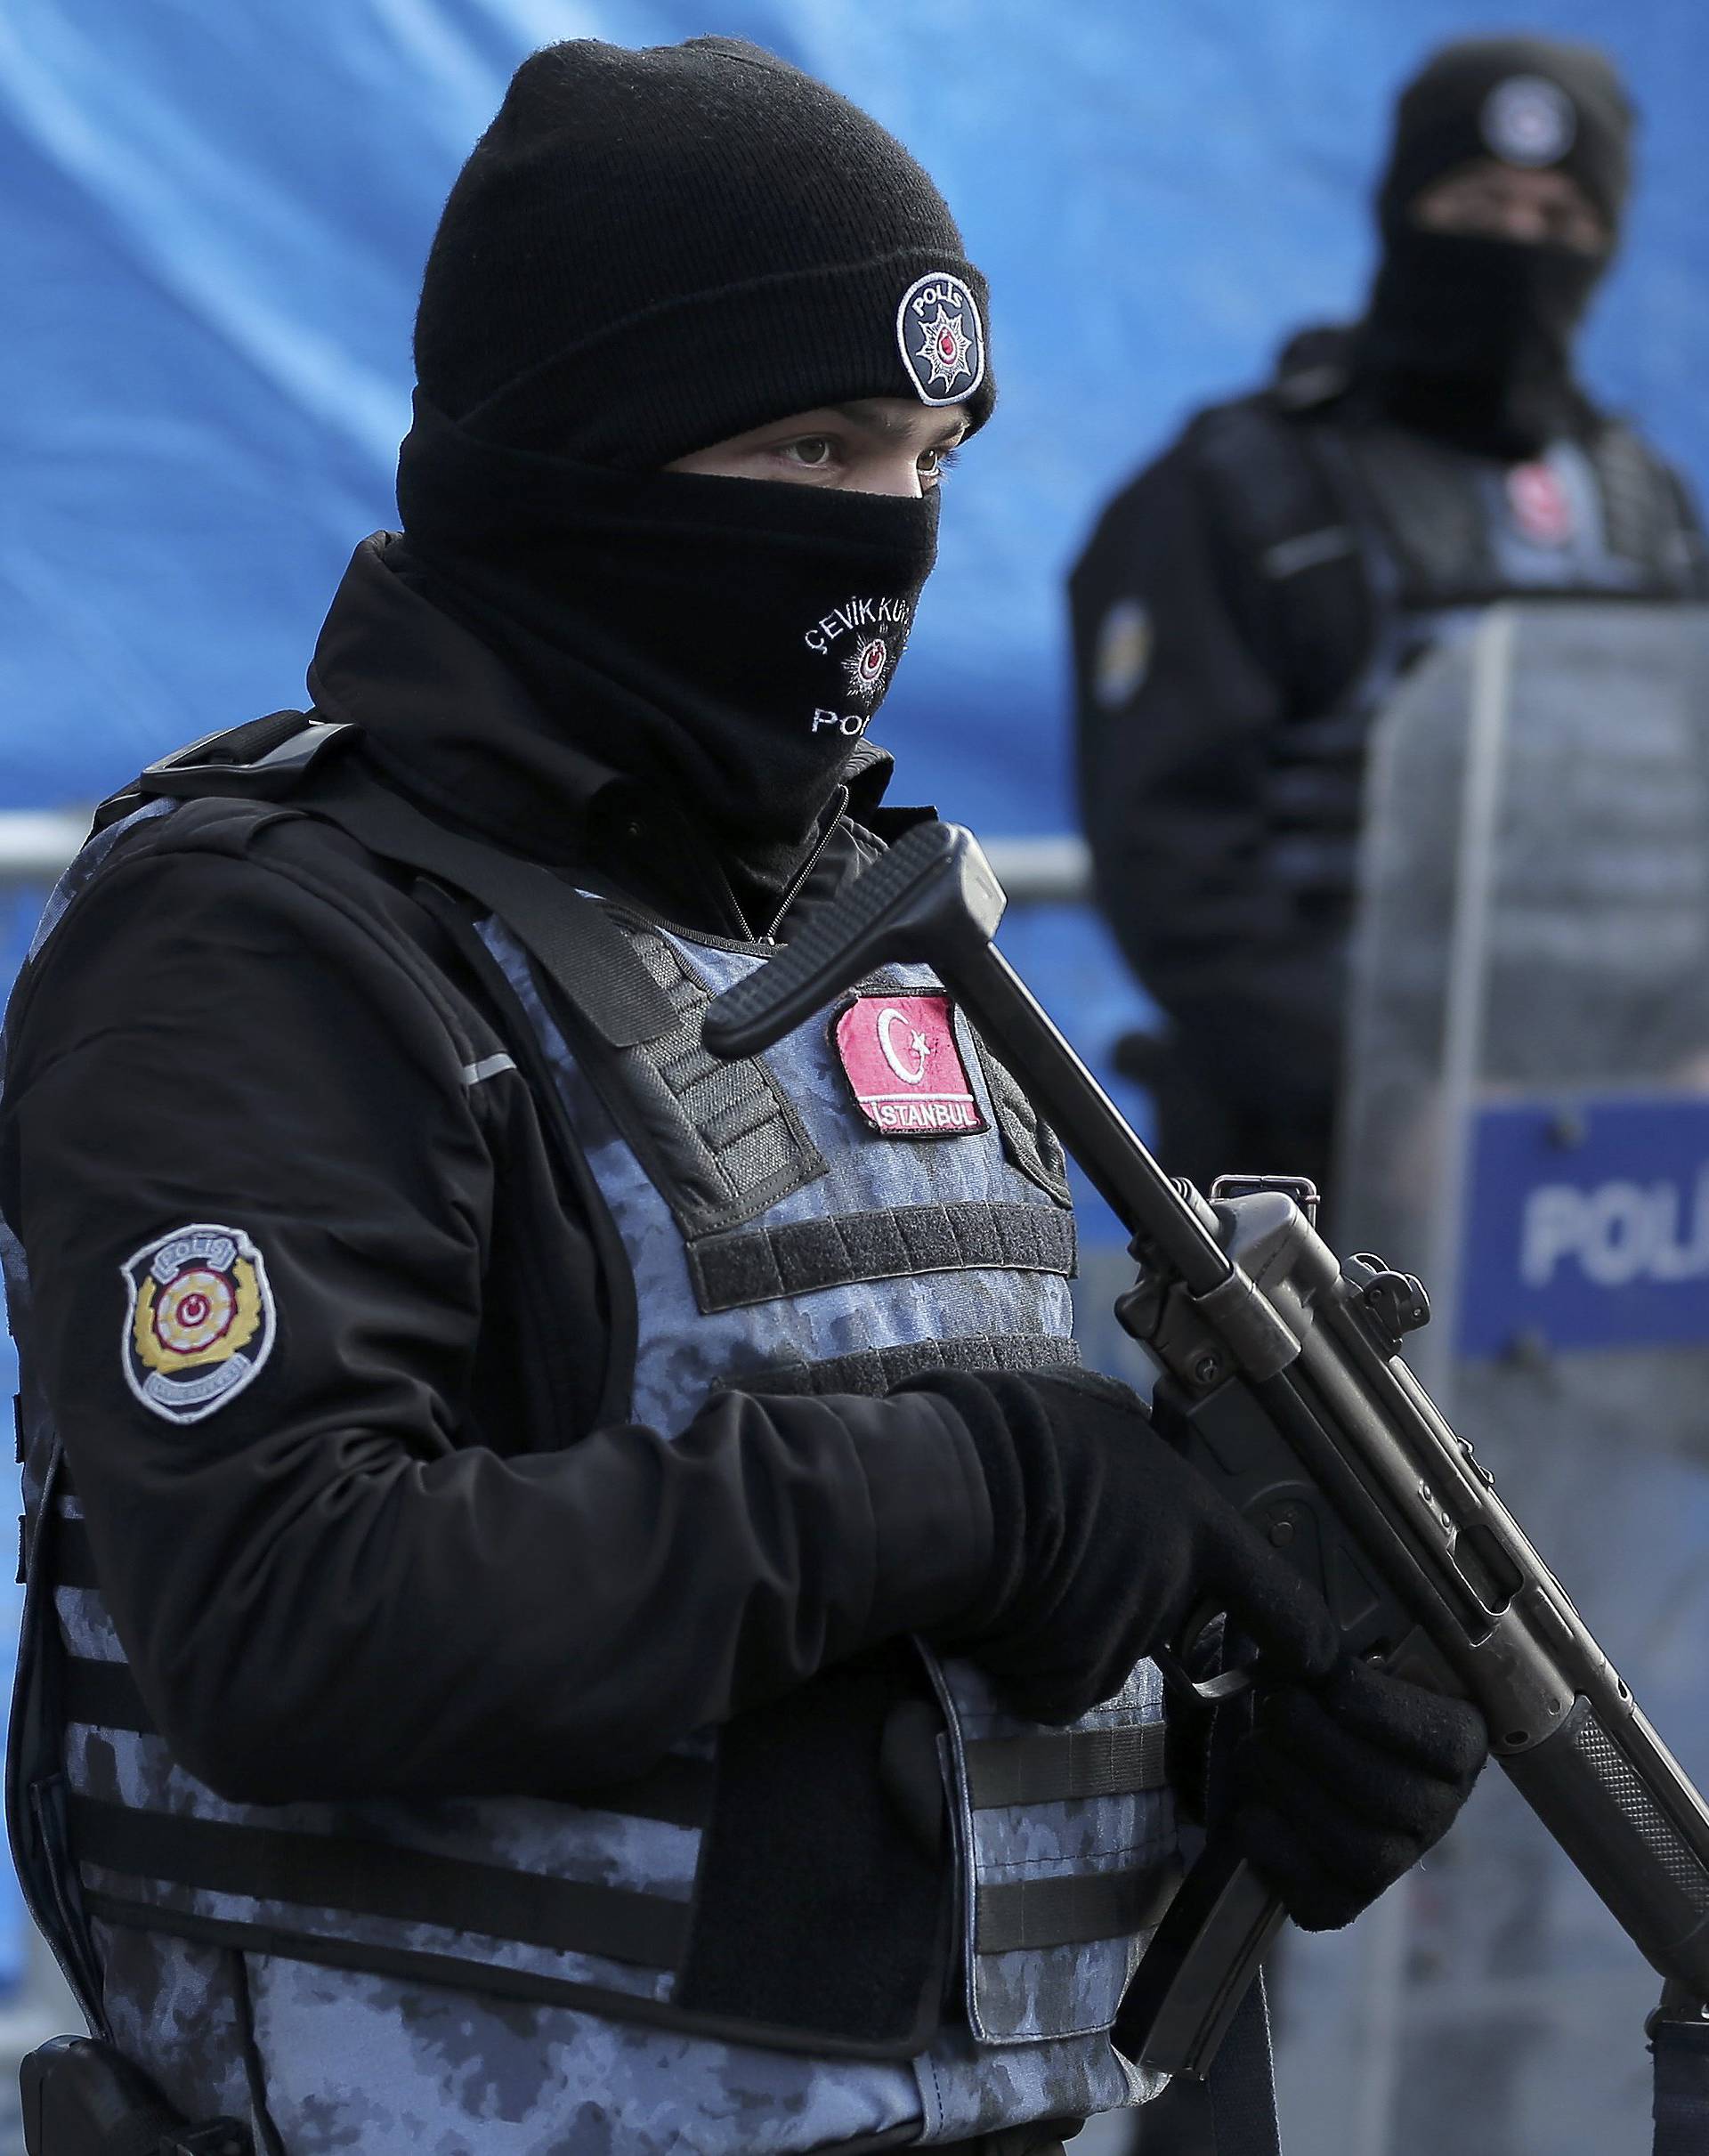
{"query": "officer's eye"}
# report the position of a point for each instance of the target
(935, 465)
(812, 452)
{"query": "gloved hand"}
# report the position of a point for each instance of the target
(1107, 1542)
(1342, 1785)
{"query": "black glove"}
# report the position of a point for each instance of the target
(1342, 1785)
(1106, 1542)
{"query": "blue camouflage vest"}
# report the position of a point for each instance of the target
(515, 1975)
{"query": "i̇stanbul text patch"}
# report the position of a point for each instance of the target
(900, 1056)
(201, 1322)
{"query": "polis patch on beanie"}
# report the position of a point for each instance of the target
(649, 251)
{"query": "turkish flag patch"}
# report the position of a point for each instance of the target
(900, 1056)
(1540, 505)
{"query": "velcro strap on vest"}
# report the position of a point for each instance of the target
(379, 1879)
(1015, 1915)
(1053, 1766)
(876, 1370)
(719, 1141)
(731, 1272)
(1030, 1143)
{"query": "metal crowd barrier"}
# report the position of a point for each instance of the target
(36, 844)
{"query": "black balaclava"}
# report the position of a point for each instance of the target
(649, 252)
(1469, 337)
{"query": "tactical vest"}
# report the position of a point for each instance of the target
(1366, 543)
(591, 1957)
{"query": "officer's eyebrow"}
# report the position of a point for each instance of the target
(873, 418)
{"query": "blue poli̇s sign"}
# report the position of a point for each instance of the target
(1588, 1224)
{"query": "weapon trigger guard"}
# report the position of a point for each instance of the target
(1174, 1660)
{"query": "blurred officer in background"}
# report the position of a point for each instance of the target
(1248, 602)
(491, 1466)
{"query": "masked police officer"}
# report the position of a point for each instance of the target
(1247, 603)
(579, 1601)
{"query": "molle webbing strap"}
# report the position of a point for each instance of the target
(876, 1370)
(1012, 1915)
(570, 937)
(1053, 1766)
(1030, 1143)
(718, 1140)
(732, 1271)
(375, 1878)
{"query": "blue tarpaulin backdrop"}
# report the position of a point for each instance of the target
(213, 219)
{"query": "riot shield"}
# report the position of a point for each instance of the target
(1526, 1124)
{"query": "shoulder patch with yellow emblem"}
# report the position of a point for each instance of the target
(1121, 658)
(200, 1322)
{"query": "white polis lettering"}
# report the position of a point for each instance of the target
(853, 614)
(852, 722)
(1618, 1233)
(207, 1243)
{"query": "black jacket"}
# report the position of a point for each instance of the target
(407, 1558)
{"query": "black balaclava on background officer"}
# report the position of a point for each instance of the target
(649, 252)
(1471, 337)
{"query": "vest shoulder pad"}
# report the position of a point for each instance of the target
(262, 759)
(1648, 510)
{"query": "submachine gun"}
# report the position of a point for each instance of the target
(1282, 1382)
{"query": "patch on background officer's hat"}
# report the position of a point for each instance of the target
(201, 1322)
(942, 338)
(1123, 654)
(1528, 120)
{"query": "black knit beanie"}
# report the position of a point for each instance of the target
(651, 251)
(1535, 102)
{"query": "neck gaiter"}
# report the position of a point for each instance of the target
(726, 641)
(1469, 338)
